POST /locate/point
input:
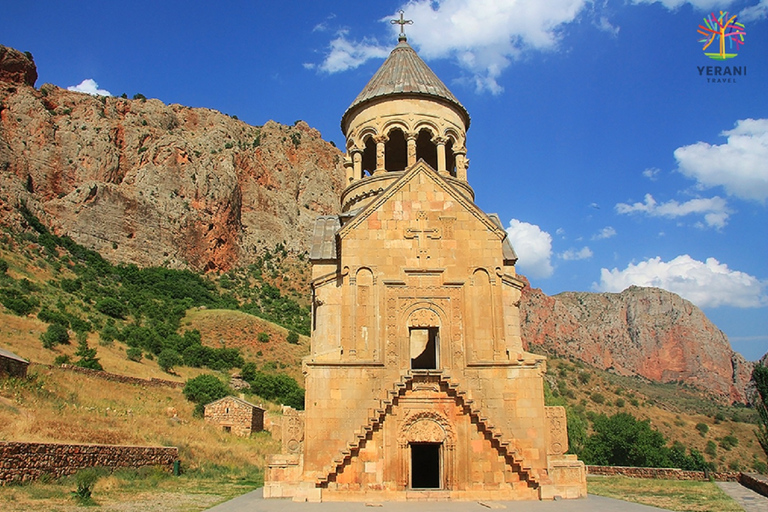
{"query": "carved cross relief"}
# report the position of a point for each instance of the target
(421, 233)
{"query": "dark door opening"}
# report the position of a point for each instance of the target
(425, 466)
(424, 347)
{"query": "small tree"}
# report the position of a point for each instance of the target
(293, 338)
(263, 337)
(134, 354)
(87, 355)
(55, 334)
(168, 359)
(703, 428)
(203, 390)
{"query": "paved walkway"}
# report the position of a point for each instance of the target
(749, 500)
(254, 502)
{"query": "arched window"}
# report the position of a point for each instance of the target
(450, 158)
(395, 151)
(369, 156)
(426, 149)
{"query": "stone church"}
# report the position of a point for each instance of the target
(417, 385)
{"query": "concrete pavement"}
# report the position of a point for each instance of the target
(254, 502)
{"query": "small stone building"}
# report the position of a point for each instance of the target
(235, 415)
(12, 365)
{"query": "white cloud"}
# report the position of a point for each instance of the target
(345, 54)
(756, 12)
(651, 173)
(573, 255)
(534, 248)
(740, 165)
(89, 86)
(605, 25)
(482, 37)
(698, 4)
(706, 284)
(606, 232)
(715, 209)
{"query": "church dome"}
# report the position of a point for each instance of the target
(404, 74)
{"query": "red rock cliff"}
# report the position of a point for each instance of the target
(148, 183)
(648, 332)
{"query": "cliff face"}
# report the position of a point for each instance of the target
(648, 332)
(148, 183)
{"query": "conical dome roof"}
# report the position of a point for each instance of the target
(404, 73)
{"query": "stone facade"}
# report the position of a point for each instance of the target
(12, 365)
(235, 415)
(23, 462)
(417, 382)
(664, 473)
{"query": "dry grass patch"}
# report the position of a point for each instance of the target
(668, 494)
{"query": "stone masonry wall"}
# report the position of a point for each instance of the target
(662, 473)
(238, 417)
(12, 367)
(120, 378)
(24, 462)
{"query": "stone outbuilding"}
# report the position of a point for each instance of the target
(12, 365)
(418, 385)
(235, 415)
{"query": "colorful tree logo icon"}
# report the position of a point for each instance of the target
(724, 28)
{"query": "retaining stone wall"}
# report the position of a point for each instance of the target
(663, 473)
(758, 483)
(24, 462)
(120, 378)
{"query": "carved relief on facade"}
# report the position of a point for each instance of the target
(293, 430)
(558, 430)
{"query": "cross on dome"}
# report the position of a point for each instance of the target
(402, 22)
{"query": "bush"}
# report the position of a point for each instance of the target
(620, 402)
(203, 390)
(86, 479)
(263, 337)
(729, 442)
(56, 334)
(597, 398)
(719, 417)
(711, 449)
(703, 428)
(134, 354)
(111, 307)
(62, 359)
(293, 338)
(17, 302)
(3, 266)
(584, 377)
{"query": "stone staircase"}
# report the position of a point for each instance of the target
(454, 389)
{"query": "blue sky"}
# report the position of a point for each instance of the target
(593, 136)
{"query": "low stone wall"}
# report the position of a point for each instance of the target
(120, 378)
(663, 473)
(22, 462)
(758, 483)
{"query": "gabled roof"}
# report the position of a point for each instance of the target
(404, 73)
(236, 399)
(421, 167)
(10, 355)
(323, 246)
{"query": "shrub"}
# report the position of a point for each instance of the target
(719, 417)
(597, 398)
(703, 428)
(17, 302)
(248, 371)
(111, 307)
(263, 337)
(729, 442)
(584, 377)
(55, 334)
(293, 338)
(620, 402)
(134, 354)
(711, 449)
(203, 390)
(3, 266)
(62, 359)
(86, 479)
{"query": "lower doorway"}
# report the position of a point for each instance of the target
(425, 466)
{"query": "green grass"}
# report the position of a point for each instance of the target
(669, 494)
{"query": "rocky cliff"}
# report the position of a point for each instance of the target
(646, 332)
(148, 183)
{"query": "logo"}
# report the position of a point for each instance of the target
(725, 30)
